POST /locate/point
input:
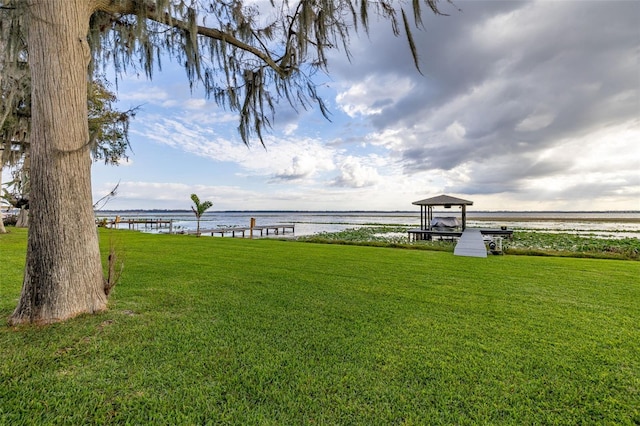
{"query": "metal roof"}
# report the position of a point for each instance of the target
(443, 200)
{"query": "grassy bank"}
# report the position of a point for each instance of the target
(235, 331)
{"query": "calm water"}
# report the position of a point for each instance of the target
(618, 224)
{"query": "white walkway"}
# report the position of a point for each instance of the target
(471, 244)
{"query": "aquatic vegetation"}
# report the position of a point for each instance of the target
(388, 234)
(523, 242)
(596, 246)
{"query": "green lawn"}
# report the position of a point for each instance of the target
(238, 331)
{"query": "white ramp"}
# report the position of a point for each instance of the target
(471, 244)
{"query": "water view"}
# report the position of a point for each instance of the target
(604, 224)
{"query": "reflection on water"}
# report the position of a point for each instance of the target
(617, 224)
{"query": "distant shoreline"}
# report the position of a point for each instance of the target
(480, 216)
(554, 219)
(469, 212)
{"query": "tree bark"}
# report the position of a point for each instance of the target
(2, 228)
(23, 218)
(3, 115)
(63, 274)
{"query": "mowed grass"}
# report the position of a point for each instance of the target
(233, 331)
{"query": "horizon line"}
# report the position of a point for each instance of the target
(367, 211)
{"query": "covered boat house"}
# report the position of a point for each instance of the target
(471, 241)
(445, 226)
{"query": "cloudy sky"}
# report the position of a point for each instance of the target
(521, 105)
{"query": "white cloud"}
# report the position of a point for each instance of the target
(154, 95)
(372, 95)
(173, 195)
(290, 129)
(535, 121)
(195, 104)
(286, 158)
(301, 167)
(356, 175)
(456, 131)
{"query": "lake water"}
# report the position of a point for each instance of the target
(605, 224)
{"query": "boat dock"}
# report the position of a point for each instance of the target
(242, 231)
(471, 244)
(417, 234)
(234, 231)
(137, 223)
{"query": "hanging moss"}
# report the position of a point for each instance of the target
(246, 61)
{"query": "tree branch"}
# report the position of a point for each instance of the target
(135, 7)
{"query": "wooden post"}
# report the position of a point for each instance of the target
(464, 217)
(252, 224)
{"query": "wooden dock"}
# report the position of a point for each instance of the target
(243, 231)
(418, 234)
(471, 244)
(137, 223)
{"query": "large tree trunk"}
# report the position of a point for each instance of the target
(2, 229)
(63, 274)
